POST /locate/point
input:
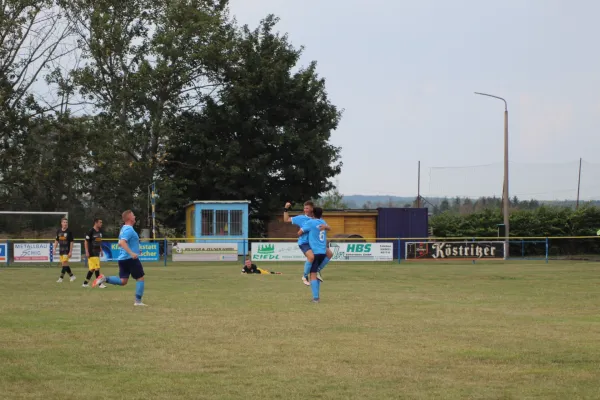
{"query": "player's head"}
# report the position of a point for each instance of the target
(97, 223)
(318, 212)
(308, 208)
(248, 263)
(64, 223)
(128, 217)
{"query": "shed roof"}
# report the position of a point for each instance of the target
(217, 202)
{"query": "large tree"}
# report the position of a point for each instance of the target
(33, 38)
(145, 62)
(173, 92)
(264, 135)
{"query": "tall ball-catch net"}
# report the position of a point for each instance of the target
(553, 181)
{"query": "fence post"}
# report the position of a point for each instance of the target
(246, 246)
(399, 250)
(547, 247)
(166, 251)
(8, 252)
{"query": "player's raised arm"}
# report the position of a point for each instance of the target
(286, 215)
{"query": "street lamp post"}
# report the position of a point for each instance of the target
(505, 201)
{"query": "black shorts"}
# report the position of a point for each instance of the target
(315, 265)
(131, 267)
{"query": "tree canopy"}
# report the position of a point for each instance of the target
(98, 99)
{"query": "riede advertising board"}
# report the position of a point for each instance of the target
(341, 252)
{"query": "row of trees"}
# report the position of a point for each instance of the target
(541, 222)
(455, 205)
(100, 98)
(466, 205)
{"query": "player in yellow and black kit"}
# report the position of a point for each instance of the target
(64, 241)
(93, 251)
(250, 268)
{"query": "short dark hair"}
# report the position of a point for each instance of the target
(97, 219)
(318, 212)
(309, 203)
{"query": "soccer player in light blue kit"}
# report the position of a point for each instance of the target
(317, 239)
(303, 243)
(129, 263)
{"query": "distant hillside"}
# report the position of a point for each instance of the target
(569, 203)
(368, 201)
(359, 201)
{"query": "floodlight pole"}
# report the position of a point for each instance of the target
(505, 197)
(152, 201)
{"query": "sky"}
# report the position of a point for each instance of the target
(405, 73)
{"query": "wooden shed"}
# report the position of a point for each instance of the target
(342, 222)
(206, 221)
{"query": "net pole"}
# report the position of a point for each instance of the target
(419, 185)
(578, 185)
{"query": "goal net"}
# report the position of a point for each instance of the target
(27, 238)
(30, 224)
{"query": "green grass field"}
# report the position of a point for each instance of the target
(512, 330)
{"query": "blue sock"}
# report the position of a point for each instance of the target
(113, 280)
(324, 264)
(314, 285)
(139, 290)
(307, 266)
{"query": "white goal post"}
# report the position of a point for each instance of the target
(29, 214)
(63, 213)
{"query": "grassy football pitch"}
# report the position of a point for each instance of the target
(516, 330)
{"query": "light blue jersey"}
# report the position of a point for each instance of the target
(133, 241)
(300, 220)
(316, 237)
